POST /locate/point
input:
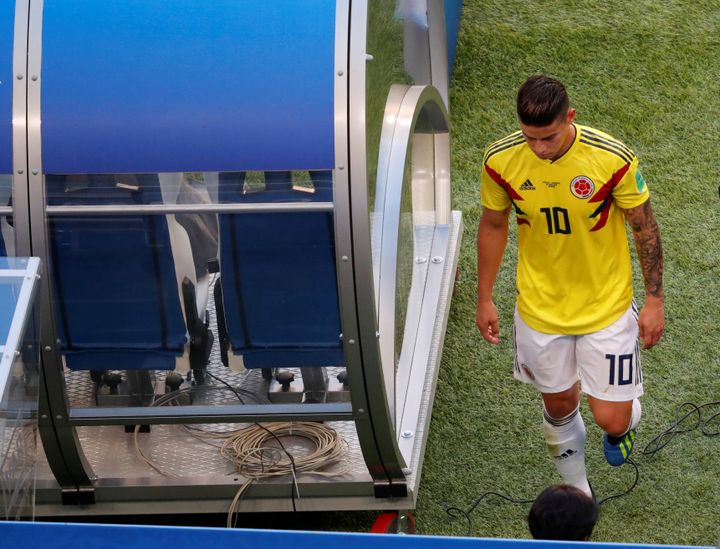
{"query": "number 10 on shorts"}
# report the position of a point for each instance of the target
(621, 369)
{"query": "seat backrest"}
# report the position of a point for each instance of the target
(5, 228)
(115, 286)
(278, 275)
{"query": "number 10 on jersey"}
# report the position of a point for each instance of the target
(558, 221)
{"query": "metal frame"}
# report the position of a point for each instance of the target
(20, 209)
(59, 437)
(256, 207)
(378, 408)
(417, 101)
(397, 135)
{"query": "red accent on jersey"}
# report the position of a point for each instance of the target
(523, 221)
(497, 178)
(603, 215)
(604, 195)
(608, 187)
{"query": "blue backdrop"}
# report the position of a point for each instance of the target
(191, 85)
(7, 16)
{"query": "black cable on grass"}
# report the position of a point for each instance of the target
(456, 513)
(679, 426)
(694, 416)
(628, 461)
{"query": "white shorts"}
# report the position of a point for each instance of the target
(606, 362)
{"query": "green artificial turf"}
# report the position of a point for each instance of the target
(646, 72)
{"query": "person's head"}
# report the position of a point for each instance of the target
(563, 512)
(545, 116)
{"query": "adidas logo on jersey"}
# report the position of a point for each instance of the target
(566, 454)
(527, 186)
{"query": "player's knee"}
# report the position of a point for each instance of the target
(614, 423)
(560, 409)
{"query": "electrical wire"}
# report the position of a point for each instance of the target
(456, 513)
(695, 415)
(249, 449)
(254, 458)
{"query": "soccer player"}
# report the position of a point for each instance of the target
(563, 512)
(576, 324)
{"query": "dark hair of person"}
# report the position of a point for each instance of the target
(563, 512)
(541, 101)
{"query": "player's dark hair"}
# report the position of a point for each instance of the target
(563, 512)
(541, 101)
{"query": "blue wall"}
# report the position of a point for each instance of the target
(191, 85)
(7, 16)
(20, 535)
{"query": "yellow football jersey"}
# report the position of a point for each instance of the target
(574, 273)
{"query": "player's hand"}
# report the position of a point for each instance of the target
(651, 321)
(486, 319)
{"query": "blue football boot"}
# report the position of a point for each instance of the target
(618, 453)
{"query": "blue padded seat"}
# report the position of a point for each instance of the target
(5, 200)
(115, 287)
(278, 276)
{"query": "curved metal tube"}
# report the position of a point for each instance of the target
(421, 113)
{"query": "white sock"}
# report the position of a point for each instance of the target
(565, 438)
(636, 414)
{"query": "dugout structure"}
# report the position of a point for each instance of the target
(243, 214)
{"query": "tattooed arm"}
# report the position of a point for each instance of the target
(647, 241)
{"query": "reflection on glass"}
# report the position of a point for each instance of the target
(150, 304)
(405, 262)
(18, 401)
(9, 292)
(385, 44)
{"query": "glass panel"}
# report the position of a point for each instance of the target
(9, 291)
(18, 402)
(385, 44)
(232, 298)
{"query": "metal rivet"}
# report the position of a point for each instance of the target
(437, 259)
(35, 172)
(58, 416)
(369, 57)
(44, 416)
(345, 258)
(407, 434)
(341, 167)
(48, 348)
(34, 77)
(420, 259)
(21, 171)
(340, 72)
(361, 410)
(19, 76)
(351, 342)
